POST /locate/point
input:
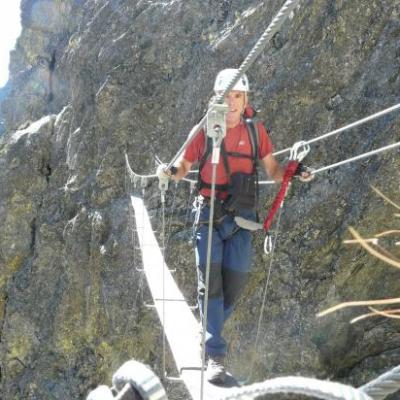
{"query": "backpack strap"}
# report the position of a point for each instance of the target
(253, 135)
(224, 155)
(207, 152)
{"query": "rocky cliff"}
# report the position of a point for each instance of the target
(93, 79)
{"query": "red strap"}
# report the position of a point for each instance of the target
(287, 177)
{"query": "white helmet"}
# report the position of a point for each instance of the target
(225, 76)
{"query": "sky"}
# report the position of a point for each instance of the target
(10, 28)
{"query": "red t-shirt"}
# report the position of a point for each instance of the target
(237, 140)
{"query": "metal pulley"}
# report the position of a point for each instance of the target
(216, 128)
(216, 125)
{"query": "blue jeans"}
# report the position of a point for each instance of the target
(231, 254)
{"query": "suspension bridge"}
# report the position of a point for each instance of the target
(180, 326)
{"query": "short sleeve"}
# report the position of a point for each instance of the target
(195, 148)
(265, 146)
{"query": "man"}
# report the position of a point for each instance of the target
(231, 251)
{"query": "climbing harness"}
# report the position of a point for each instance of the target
(241, 188)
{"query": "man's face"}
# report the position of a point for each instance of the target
(236, 101)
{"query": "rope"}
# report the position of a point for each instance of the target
(385, 384)
(306, 386)
(260, 318)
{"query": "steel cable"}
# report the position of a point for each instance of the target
(385, 384)
(359, 157)
(272, 29)
(208, 267)
(345, 128)
(169, 223)
(325, 390)
(163, 285)
(316, 139)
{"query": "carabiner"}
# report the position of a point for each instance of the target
(299, 150)
(268, 243)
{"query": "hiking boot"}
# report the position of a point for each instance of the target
(216, 372)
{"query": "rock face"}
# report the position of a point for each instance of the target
(4, 92)
(93, 79)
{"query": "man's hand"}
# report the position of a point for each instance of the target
(305, 174)
(162, 172)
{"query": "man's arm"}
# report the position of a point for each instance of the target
(272, 168)
(276, 172)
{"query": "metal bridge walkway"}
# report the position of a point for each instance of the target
(180, 325)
